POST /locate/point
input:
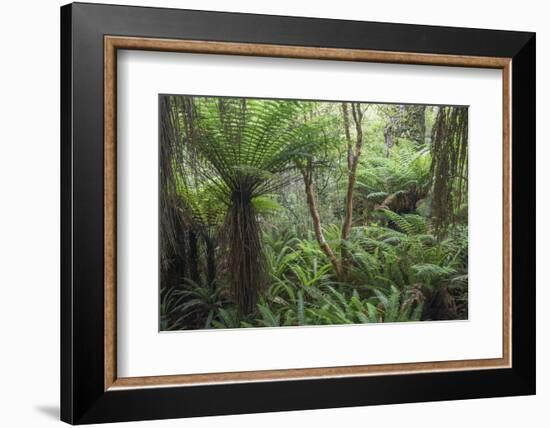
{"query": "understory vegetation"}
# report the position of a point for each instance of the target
(288, 213)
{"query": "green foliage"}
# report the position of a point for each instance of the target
(406, 169)
(246, 147)
(248, 144)
(393, 274)
(193, 303)
(235, 181)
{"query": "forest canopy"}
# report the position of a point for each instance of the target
(288, 213)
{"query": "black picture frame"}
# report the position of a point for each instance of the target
(83, 399)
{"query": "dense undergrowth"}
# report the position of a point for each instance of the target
(400, 272)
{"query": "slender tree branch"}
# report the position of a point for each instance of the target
(307, 174)
(353, 161)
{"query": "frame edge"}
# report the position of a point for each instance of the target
(113, 43)
(66, 316)
(80, 396)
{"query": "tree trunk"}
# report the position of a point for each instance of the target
(422, 124)
(193, 256)
(312, 204)
(349, 155)
(353, 160)
(388, 140)
(179, 263)
(245, 258)
(210, 260)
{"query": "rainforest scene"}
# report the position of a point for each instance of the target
(279, 212)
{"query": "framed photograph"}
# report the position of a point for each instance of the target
(266, 213)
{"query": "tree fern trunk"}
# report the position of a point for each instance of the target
(245, 258)
(193, 256)
(210, 260)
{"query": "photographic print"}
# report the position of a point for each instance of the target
(280, 212)
(218, 191)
